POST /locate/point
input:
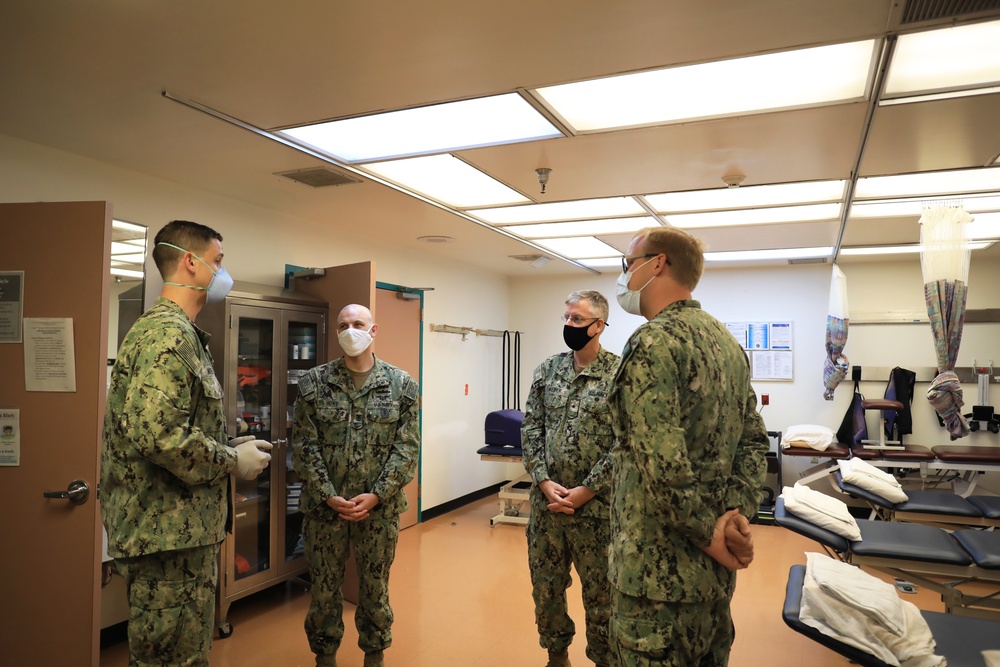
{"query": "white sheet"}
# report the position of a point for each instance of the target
(822, 510)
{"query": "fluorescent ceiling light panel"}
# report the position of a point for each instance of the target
(128, 273)
(948, 58)
(756, 216)
(757, 195)
(121, 224)
(485, 121)
(583, 227)
(578, 247)
(136, 258)
(448, 180)
(778, 253)
(581, 209)
(804, 77)
(603, 263)
(985, 226)
(929, 184)
(898, 249)
(931, 97)
(913, 207)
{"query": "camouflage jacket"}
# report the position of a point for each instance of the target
(346, 442)
(567, 432)
(690, 444)
(165, 461)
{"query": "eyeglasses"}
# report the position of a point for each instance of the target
(576, 320)
(628, 260)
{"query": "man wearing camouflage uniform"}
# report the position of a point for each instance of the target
(690, 448)
(355, 442)
(165, 462)
(566, 438)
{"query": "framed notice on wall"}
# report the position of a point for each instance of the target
(769, 347)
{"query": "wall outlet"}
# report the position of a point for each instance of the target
(814, 459)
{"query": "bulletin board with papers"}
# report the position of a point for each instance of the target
(768, 346)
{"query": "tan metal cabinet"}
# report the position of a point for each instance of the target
(263, 339)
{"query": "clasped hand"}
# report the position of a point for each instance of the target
(355, 509)
(563, 500)
(732, 543)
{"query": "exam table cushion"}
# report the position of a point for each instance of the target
(909, 541)
(809, 435)
(864, 474)
(967, 454)
(988, 505)
(498, 450)
(924, 502)
(907, 453)
(983, 545)
(823, 510)
(834, 451)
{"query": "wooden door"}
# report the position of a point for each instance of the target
(51, 555)
(398, 343)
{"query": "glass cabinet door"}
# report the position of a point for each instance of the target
(305, 348)
(255, 397)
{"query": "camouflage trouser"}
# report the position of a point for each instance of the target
(668, 634)
(327, 541)
(554, 542)
(171, 600)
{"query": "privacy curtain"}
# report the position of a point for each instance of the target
(836, 364)
(944, 260)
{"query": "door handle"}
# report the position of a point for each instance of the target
(77, 492)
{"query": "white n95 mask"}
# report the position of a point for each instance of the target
(354, 341)
(629, 299)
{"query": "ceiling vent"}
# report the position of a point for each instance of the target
(921, 11)
(319, 177)
(526, 258)
(808, 260)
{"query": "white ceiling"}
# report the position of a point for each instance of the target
(89, 77)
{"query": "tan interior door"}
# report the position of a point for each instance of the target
(51, 555)
(398, 343)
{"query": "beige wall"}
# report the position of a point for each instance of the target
(258, 244)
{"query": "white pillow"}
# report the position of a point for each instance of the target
(868, 477)
(808, 435)
(846, 623)
(822, 510)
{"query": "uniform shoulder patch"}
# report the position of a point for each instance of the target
(410, 389)
(307, 385)
(189, 355)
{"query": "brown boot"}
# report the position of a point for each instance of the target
(374, 659)
(326, 660)
(558, 658)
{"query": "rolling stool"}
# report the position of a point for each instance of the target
(881, 404)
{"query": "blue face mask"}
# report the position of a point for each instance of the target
(218, 288)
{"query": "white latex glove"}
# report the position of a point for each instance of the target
(240, 440)
(251, 457)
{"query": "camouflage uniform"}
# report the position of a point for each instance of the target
(165, 468)
(566, 437)
(690, 445)
(346, 442)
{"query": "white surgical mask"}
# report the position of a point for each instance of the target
(354, 341)
(218, 288)
(629, 299)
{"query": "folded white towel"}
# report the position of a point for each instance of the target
(914, 647)
(854, 587)
(822, 510)
(808, 435)
(859, 473)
